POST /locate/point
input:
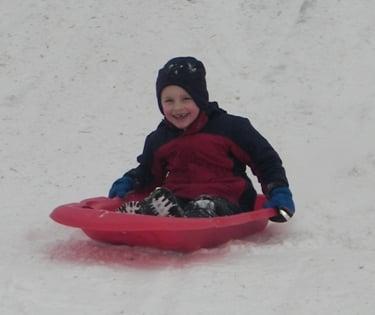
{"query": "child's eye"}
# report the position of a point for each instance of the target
(187, 98)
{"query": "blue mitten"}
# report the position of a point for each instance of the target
(281, 199)
(121, 186)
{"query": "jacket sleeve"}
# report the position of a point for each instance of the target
(260, 156)
(142, 174)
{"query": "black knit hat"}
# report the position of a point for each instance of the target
(188, 73)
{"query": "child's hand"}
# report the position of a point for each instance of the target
(281, 199)
(121, 186)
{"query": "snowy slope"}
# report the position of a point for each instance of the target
(77, 99)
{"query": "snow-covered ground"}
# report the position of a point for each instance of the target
(77, 99)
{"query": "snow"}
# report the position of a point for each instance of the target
(77, 99)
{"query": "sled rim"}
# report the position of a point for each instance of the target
(75, 215)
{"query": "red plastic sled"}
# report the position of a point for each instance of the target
(98, 220)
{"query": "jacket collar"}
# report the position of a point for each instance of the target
(197, 125)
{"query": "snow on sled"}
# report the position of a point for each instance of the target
(98, 220)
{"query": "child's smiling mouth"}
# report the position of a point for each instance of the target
(180, 116)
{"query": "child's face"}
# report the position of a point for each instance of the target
(178, 106)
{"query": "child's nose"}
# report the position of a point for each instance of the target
(179, 105)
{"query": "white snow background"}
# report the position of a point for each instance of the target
(77, 99)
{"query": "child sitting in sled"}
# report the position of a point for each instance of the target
(194, 163)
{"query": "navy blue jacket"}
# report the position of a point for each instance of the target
(210, 157)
